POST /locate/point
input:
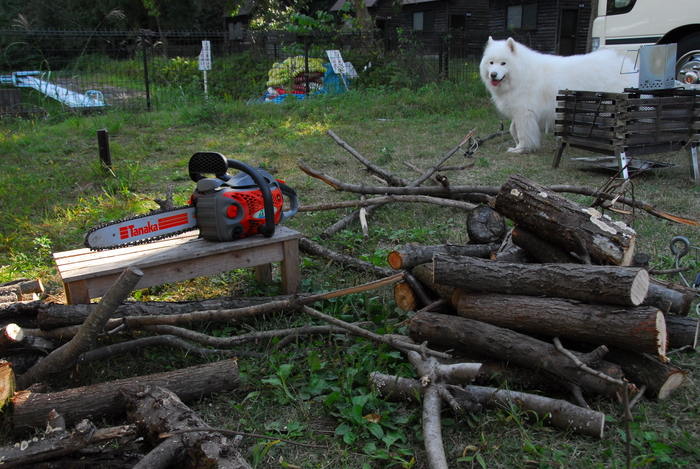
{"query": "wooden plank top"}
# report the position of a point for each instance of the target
(84, 263)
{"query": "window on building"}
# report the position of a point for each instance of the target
(423, 21)
(522, 16)
(458, 22)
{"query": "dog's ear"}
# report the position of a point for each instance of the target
(511, 44)
(490, 40)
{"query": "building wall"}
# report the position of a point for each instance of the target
(545, 36)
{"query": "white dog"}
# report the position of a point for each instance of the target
(524, 84)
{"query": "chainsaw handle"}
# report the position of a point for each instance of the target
(267, 230)
(293, 200)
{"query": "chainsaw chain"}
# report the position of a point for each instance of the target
(136, 217)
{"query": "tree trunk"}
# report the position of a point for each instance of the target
(555, 218)
(155, 411)
(661, 379)
(461, 333)
(31, 410)
(587, 283)
(639, 328)
(670, 297)
(484, 225)
(413, 254)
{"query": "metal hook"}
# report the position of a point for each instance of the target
(684, 250)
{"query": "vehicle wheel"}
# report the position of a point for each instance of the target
(688, 59)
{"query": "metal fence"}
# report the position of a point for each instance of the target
(50, 70)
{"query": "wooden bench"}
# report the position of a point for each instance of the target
(89, 274)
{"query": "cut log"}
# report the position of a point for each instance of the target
(7, 382)
(10, 336)
(462, 333)
(588, 283)
(682, 331)
(670, 296)
(637, 328)
(404, 297)
(448, 293)
(555, 218)
(485, 225)
(31, 410)
(555, 412)
(413, 254)
(540, 249)
(661, 379)
(156, 410)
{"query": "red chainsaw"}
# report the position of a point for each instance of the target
(222, 207)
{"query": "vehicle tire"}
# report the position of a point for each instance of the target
(688, 55)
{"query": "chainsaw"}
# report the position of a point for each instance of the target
(223, 207)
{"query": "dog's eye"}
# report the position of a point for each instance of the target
(491, 62)
(503, 63)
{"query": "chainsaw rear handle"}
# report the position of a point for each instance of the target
(293, 200)
(217, 164)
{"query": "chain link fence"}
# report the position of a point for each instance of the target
(59, 70)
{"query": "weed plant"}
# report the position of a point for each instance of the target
(53, 188)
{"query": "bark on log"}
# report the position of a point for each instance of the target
(540, 249)
(555, 412)
(485, 226)
(448, 293)
(661, 379)
(670, 296)
(156, 410)
(555, 218)
(587, 283)
(413, 254)
(31, 410)
(461, 333)
(640, 328)
(65, 356)
(682, 331)
(48, 446)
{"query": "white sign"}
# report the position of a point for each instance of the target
(205, 56)
(350, 70)
(336, 61)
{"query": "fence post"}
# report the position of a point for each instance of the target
(145, 74)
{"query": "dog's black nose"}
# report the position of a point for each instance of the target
(494, 74)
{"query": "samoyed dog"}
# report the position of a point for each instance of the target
(524, 84)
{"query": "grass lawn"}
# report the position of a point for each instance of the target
(53, 189)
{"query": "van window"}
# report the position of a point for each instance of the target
(618, 7)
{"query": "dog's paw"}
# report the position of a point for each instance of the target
(519, 150)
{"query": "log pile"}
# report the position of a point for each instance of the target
(565, 295)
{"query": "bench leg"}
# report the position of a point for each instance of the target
(263, 273)
(622, 162)
(77, 292)
(291, 275)
(693, 154)
(560, 151)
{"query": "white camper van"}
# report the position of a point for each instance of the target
(630, 24)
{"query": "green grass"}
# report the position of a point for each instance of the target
(53, 188)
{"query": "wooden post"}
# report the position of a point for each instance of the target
(103, 143)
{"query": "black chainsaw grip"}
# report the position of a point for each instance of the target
(268, 230)
(208, 162)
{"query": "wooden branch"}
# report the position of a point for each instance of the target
(64, 357)
(426, 199)
(432, 428)
(441, 191)
(358, 331)
(555, 412)
(466, 334)
(637, 328)
(389, 178)
(670, 297)
(315, 249)
(588, 283)
(31, 409)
